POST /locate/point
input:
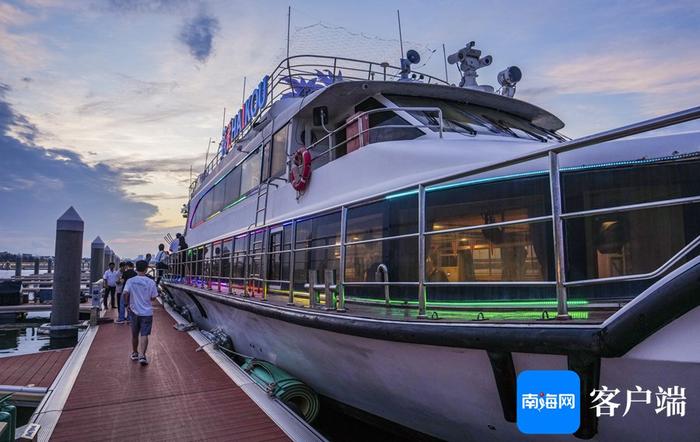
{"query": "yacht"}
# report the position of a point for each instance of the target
(407, 246)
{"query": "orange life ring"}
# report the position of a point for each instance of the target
(300, 170)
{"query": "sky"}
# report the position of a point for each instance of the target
(106, 104)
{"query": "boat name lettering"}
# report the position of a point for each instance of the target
(251, 108)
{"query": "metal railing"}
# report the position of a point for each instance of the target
(557, 218)
(307, 67)
(361, 130)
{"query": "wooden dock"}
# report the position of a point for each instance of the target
(183, 394)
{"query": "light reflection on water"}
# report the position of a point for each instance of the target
(23, 338)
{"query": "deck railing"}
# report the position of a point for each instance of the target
(307, 67)
(197, 271)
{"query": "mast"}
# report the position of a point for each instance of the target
(398, 16)
(444, 57)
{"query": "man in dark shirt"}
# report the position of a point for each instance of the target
(129, 273)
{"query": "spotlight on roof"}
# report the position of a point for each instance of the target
(508, 78)
(412, 57)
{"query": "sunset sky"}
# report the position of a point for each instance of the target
(106, 104)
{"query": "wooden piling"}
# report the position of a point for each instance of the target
(66, 280)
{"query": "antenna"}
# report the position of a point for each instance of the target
(223, 123)
(398, 15)
(206, 158)
(444, 57)
(243, 99)
(289, 22)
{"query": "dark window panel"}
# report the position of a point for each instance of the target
(476, 204)
(390, 217)
(520, 252)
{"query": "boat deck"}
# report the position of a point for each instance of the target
(523, 313)
(181, 395)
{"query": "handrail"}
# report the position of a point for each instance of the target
(357, 117)
(558, 216)
(383, 270)
(286, 69)
(682, 253)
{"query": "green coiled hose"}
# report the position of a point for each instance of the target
(277, 382)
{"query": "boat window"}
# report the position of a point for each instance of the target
(521, 252)
(470, 119)
(278, 260)
(226, 248)
(400, 256)
(232, 183)
(384, 126)
(250, 175)
(240, 246)
(322, 259)
(322, 230)
(278, 159)
(388, 217)
(218, 198)
(595, 188)
(474, 203)
(628, 243)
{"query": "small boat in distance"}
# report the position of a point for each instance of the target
(407, 246)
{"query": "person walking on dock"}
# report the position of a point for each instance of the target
(120, 289)
(110, 278)
(139, 292)
(128, 274)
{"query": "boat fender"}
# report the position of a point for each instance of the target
(300, 170)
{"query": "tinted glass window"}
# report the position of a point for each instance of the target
(487, 203)
(520, 252)
(250, 175)
(315, 259)
(278, 160)
(399, 255)
(628, 243)
(610, 187)
(389, 217)
(218, 197)
(232, 183)
(323, 230)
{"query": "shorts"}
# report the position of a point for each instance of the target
(141, 325)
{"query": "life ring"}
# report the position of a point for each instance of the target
(300, 170)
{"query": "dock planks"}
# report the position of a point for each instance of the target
(38, 369)
(181, 395)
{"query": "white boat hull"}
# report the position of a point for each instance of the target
(450, 392)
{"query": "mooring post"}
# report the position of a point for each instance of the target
(18, 265)
(66, 281)
(49, 265)
(97, 255)
(36, 266)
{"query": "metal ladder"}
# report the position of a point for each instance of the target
(261, 211)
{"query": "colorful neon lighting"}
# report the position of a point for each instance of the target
(545, 172)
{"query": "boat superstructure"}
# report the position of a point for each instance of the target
(362, 216)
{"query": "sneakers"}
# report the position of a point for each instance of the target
(119, 321)
(143, 360)
(134, 356)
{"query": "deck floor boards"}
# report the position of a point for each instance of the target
(181, 395)
(37, 369)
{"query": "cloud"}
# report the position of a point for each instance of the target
(147, 6)
(39, 184)
(198, 35)
(661, 85)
